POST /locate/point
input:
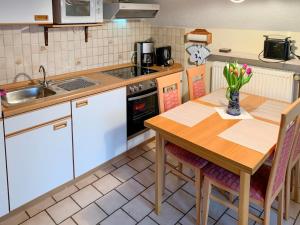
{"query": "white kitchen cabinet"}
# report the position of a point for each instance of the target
(99, 129)
(39, 159)
(3, 178)
(29, 11)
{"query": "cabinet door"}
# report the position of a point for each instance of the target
(99, 129)
(38, 161)
(29, 11)
(3, 177)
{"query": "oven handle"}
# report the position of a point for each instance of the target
(142, 96)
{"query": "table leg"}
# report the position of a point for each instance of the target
(244, 198)
(159, 172)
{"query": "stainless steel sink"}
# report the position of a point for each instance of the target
(26, 94)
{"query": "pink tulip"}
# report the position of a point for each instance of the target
(245, 66)
(249, 71)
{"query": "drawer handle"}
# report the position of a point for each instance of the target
(82, 104)
(60, 126)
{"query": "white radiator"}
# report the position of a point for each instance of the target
(270, 83)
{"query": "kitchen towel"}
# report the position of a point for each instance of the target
(222, 112)
(270, 110)
(218, 97)
(254, 134)
(189, 113)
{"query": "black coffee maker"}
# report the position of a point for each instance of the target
(164, 56)
(144, 54)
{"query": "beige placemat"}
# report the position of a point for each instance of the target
(189, 114)
(254, 134)
(218, 98)
(270, 110)
(222, 111)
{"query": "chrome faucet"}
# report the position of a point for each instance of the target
(44, 82)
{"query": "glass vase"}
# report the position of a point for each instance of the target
(234, 104)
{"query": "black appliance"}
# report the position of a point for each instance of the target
(142, 104)
(130, 72)
(144, 54)
(277, 48)
(164, 56)
(142, 100)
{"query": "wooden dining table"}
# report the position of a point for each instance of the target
(203, 139)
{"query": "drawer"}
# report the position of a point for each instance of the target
(37, 117)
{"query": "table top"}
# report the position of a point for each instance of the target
(203, 138)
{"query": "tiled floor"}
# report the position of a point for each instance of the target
(123, 194)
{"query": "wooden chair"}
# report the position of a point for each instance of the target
(169, 97)
(267, 183)
(293, 164)
(196, 81)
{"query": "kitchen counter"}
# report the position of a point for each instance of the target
(106, 82)
(252, 59)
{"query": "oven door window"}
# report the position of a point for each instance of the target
(78, 7)
(139, 109)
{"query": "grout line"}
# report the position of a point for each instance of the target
(49, 216)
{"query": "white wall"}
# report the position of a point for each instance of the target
(252, 14)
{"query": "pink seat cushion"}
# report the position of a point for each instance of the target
(185, 156)
(259, 180)
(198, 88)
(171, 100)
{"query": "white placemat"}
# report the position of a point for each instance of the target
(254, 134)
(270, 110)
(189, 113)
(222, 112)
(218, 97)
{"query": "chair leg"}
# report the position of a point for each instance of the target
(206, 200)
(267, 216)
(287, 191)
(198, 177)
(164, 180)
(180, 166)
(280, 207)
(297, 182)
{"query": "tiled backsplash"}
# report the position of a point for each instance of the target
(22, 48)
(163, 36)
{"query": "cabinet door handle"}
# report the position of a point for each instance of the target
(60, 126)
(82, 103)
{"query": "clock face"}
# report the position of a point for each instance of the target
(198, 54)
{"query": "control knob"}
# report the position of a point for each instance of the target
(141, 87)
(131, 89)
(135, 88)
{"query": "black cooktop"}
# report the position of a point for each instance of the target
(130, 72)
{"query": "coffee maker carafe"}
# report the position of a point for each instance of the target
(144, 54)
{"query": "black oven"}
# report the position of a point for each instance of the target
(142, 104)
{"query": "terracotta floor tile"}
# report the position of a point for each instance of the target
(86, 196)
(106, 184)
(138, 208)
(15, 219)
(39, 219)
(139, 164)
(124, 173)
(118, 217)
(104, 171)
(86, 181)
(89, 215)
(39, 207)
(130, 189)
(66, 192)
(111, 202)
(62, 210)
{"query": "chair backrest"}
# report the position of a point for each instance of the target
(286, 138)
(295, 155)
(169, 94)
(196, 81)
